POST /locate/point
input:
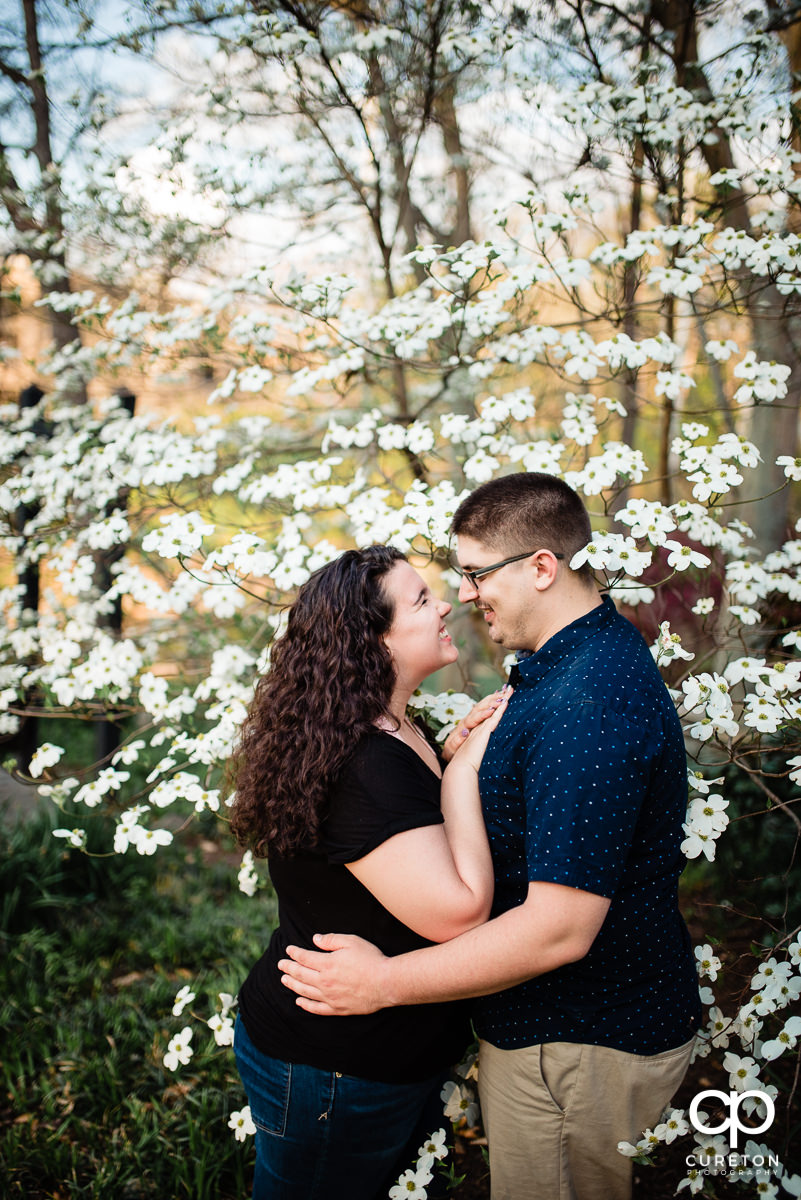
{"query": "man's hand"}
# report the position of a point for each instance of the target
(344, 981)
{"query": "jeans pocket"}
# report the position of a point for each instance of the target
(269, 1108)
(268, 1083)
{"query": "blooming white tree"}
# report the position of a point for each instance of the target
(346, 416)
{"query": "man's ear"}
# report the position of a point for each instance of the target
(545, 566)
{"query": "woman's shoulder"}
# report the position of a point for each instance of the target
(374, 750)
(383, 789)
(383, 764)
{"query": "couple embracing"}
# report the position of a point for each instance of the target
(522, 877)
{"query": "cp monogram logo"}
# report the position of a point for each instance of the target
(732, 1102)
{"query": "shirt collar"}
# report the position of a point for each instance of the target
(533, 665)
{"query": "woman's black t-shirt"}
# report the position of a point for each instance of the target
(384, 789)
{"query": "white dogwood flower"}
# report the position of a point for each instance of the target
(242, 1124)
(707, 962)
(179, 1050)
(46, 755)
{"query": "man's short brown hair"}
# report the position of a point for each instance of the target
(529, 510)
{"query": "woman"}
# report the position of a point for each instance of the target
(342, 792)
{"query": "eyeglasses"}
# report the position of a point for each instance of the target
(473, 576)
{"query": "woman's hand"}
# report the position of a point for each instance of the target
(478, 714)
(471, 748)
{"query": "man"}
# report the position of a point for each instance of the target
(588, 997)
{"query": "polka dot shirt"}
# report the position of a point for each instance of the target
(584, 784)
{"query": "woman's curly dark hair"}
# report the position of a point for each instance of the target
(330, 677)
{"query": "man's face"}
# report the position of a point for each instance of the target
(506, 597)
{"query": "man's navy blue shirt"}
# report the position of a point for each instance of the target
(584, 784)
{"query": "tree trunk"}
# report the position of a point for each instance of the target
(52, 227)
(775, 321)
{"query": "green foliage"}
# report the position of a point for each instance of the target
(93, 952)
(753, 872)
(40, 878)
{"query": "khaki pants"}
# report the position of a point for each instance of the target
(554, 1114)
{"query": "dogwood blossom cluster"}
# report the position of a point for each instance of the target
(413, 1182)
(443, 711)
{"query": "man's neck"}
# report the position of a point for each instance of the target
(564, 612)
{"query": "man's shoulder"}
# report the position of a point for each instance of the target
(614, 670)
(614, 649)
(603, 661)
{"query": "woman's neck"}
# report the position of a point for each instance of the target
(398, 703)
(408, 731)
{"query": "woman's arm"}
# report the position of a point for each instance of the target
(438, 879)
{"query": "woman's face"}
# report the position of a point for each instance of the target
(417, 639)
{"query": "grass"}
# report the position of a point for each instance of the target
(92, 953)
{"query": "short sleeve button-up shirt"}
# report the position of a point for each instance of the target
(584, 784)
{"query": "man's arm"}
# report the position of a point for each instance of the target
(554, 925)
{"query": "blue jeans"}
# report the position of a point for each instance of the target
(321, 1134)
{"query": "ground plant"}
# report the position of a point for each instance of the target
(93, 953)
